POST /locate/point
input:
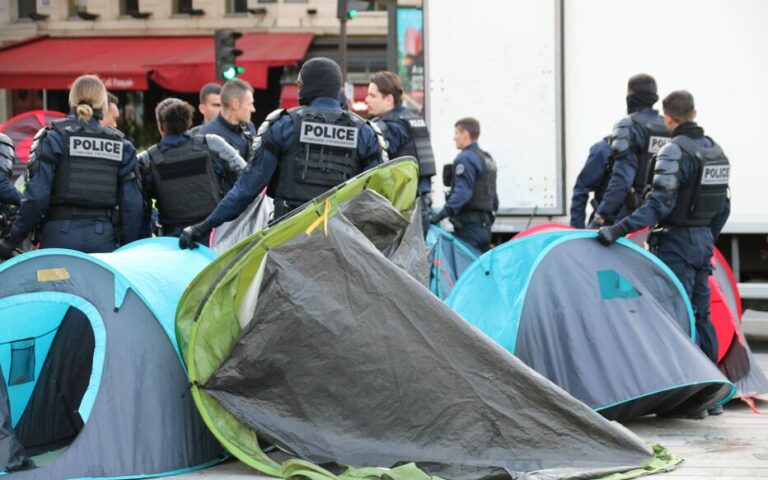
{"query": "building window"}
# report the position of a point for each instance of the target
(128, 7)
(27, 8)
(182, 6)
(76, 6)
(237, 6)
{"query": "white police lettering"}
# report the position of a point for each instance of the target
(96, 148)
(716, 175)
(417, 123)
(332, 135)
(655, 143)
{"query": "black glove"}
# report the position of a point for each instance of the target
(608, 235)
(596, 223)
(192, 235)
(436, 218)
(7, 249)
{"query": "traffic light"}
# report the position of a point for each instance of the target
(226, 54)
(348, 9)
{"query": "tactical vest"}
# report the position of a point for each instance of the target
(323, 154)
(705, 195)
(87, 176)
(186, 183)
(657, 135)
(418, 144)
(478, 208)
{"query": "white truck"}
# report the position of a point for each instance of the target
(547, 79)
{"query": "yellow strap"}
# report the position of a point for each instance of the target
(322, 218)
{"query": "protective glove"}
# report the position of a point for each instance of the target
(192, 235)
(7, 249)
(596, 223)
(608, 235)
(439, 216)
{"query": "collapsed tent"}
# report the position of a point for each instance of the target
(95, 384)
(449, 257)
(310, 336)
(610, 325)
(256, 217)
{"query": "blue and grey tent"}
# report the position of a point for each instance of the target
(610, 325)
(95, 385)
(449, 257)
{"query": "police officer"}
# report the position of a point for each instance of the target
(634, 140)
(472, 202)
(302, 152)
(406, 133)
(233, 123)
(592, 178)
(8, 193)
(80, 173)
(689, 202)
(187, 174)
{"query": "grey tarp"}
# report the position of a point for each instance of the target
(254, 218)
(349, 359)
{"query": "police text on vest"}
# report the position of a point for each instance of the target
(716, 175)
(655, 143)
(96, 148)
(331, 135)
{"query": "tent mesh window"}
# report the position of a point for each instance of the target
(22, 362)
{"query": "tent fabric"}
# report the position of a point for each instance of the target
(255, 218)
(449, 258)
(341, 356)
(22, 129)
(571, 309)
(182, 64)
(97, 368)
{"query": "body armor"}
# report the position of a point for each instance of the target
(419, 145)
(479, 208)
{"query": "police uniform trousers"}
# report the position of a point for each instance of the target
(474, 234)
(88, 235)
(687, 251)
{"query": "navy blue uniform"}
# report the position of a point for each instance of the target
(591, 178)
(612, 207)
(8, 193)
(687, 250)
(90, 235)
(260, 171)
(239, 136)
(467, 167)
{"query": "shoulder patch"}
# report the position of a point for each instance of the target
(459, 170)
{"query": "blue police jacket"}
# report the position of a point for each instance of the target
(37, 194)
(589, 180)
(623, 175)
(467, 165)
(259, 172)
(8, 193)
(233, 134)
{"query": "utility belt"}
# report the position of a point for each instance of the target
(655, 237)
(67, 212)
(485, 219)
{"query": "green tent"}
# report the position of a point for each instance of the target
(313, 336)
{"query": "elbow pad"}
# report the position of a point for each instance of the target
(667, 168)
(230, 157)
(621, 137)
(383, 144)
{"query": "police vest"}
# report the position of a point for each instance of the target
(704, 196)
(87, 176)
(483, 192)
(418, 144)
(186, 183)
(658, 136)
(323, 154)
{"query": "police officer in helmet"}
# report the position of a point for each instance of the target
(233, 123)
(634, 140)
(689, 203)
(300, 153)
(406, 133)
(472, 202)
(187, 174)
(83, 185)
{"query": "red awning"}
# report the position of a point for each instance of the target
(289, 97)
(181, 64)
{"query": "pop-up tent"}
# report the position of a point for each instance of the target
(95, 384)
(610, 325)
(22, 129)
(310, 335)
(449, 257)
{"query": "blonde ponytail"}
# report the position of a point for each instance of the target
(87, 94)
